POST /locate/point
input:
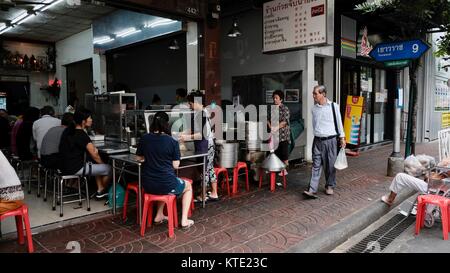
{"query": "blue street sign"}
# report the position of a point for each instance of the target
(404, 50)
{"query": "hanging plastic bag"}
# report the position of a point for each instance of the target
(341, 160)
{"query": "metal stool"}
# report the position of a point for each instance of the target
(62, 179)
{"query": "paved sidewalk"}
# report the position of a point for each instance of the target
(253, 222)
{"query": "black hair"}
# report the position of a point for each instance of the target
(47, 110)
(78, 117)
(67, 119)
(181, 92)
(160, 123)
(194, 96)
(156, 98)
(31, 114)
(279, 93)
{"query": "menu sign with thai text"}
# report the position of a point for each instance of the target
(292, 24)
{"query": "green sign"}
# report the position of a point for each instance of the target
(402, 63)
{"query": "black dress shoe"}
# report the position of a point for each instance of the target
(310, 195)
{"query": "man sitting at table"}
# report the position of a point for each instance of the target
(76, 145)
(161, 155)
(50, 157)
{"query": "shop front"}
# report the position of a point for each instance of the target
(376, 86)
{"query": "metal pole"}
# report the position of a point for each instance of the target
(397, 119)
(410, 123)
(395, 161)
(114, 186)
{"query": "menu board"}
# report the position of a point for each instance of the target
(291, 24)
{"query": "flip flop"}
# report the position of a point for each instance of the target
(198, 200)
(213, 199)
(188, 225)
(385, 200)
(163, 221)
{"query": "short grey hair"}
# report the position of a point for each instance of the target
(321, 88)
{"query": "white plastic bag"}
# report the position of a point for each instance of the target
(413, 166)
(341, 160)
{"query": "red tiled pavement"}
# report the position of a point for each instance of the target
(258, 221)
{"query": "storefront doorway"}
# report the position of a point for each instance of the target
(375, 85)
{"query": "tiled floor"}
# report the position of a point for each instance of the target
(252, 222)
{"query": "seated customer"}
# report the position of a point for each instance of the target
(11, 193)
(25, 144)
(162, 156)
(50, 157)
(74, 144)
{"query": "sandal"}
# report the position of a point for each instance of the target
(164, 220)
(385, 200)
(199, 199)
(191, 222)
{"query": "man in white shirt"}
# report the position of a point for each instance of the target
(327, 128)
(42, 125)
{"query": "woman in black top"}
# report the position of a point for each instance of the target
(74, 144)
(161, 155)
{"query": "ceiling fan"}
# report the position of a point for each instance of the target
(5, 5)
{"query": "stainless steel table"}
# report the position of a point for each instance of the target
(127, 160)
(111, 147)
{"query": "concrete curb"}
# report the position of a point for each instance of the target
(329, 239)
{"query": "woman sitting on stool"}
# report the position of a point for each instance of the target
(161, 155)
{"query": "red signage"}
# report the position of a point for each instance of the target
(317, 10)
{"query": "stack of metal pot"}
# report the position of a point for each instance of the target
(227, 153)
(251, 136)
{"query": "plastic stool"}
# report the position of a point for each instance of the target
(220, 170)
(437, 200)
(130, 187)
(237, 168)
(21, 215)
(170, 202)
(272, 179)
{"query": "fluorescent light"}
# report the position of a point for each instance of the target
(20, 17)
(26, 19)
(54, 3)
(5, 30)
(127, 32)
(160, 22)
(193, 43)
(103, 40)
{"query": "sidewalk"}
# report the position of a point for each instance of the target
(253, 222)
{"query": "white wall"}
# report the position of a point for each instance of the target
(76, 48)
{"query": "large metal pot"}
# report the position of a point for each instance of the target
(227, 154)
(251, 136)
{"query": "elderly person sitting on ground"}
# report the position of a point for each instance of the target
(403, 180)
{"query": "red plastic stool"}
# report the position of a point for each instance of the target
(272, 179)
(220, 170)
(130, 187)
(192, 207)
(237, 168)
(170, 201)
(437, 200)
(21, 215)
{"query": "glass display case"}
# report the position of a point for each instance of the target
(108, 113)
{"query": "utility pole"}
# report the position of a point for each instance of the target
(396, 161)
